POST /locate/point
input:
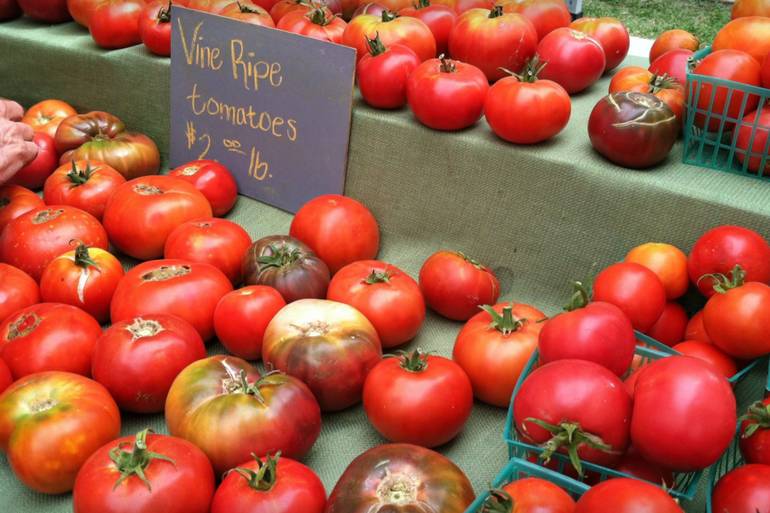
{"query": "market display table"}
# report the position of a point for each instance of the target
(540, 216)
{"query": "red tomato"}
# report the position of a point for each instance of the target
(49, 11)
(494, 346)
(625, 495)
(241, 318)
(455, 285)
(318, 23)
(461, 6)
(32, 240)
(270, 484)
(755, 433)
(743, 8)
(688, 390)
(138, 359)
(579, 397)
(750, 34)
(392, 30)
(695, 329)
(385, 294)
(45, 116)
(338, 229)
(18, 291)
(447, 95)
(248, 12)
(83, 184)
(418, 399)
(213, 180)
(670, 326)
(709, 353)
(743, 490)
(50, 423)
(545, 15)
(9, 9)
(146, 472)
(47, 337)
(492, 39)
(283, 7)
(665, 260)
(218, 242)
(143, 212)
(5, 376)
(525, 110)
(15, 201)
(33, 175)
(188, 290)
(573, 60)
(84, 277)
(115, 24)
(673, 40)
(720, 249)
(530, 495)
(673, 63)
(439, 18)
(636, 78)
(383, 72)
(766, 72)
(372, 8)
(212, 6)
(611, 33)
(635, 289)
(82, 10)
(155, 28)
(732, 65)
(753, 142)
(633, 464)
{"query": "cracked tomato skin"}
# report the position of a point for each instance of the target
(401, 478)
(328, 345)
(50, 423)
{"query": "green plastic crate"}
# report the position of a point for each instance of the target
(717, 149)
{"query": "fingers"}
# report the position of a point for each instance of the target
(11, 131)
(11, 110)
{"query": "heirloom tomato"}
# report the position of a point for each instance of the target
(674, 64)
(248, 12)
(50, 423)
(213, 180)
(755, 433)
(99, 136)
(222, 405)
(383, 72)
(392, 29)
(455, 285)
(633, 464)
(672, 40)
(401, 478)
(18, 291)
(439, 18)
(5, 376)
(241, 317)
(634, 130)
(270, 484)
(766, 72)
(330, 346)
(599, 332)
(689, 391)
(47, 337)
(447, 95)
(32, 240)
(709, 353)
(83, 277)
(372, 8)
(155, 27)
(611, 34)
(743, 8)
(529, 495)
(418, 398)
(634, 289)
(186, 289)
(15, 201)
(115, 24)
(82, 10)
(340, 230)
(523, 109)
(573, 60)
(385, 294)
(636, 78)
(750, 34)
(670, 326)
(9, 9)
(46, 116)
(212, 6)
(137, 359)
(284, 7)
(83, 184)
(492, 39)
(461, 6)
(745, 489)
(579, 408)
(143, 473)
(737, 317)
(288, 265)
(545, 15)
(695, 329)
(218, 242)
(494, 346)
(753, 142)
(33, 175)
(48, 11)
(625, 495)
(720, 249)
(143, 212)
(734, 65)
(318, 23)
(665, 260)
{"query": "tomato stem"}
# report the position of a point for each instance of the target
(723, 283)
(377, 277)
(318, 16)
(82, 257)
(499, 501)
(135, 461)
(421, 4)
(164, 14)
(758, 417)
(80, 176)
(244, 8)
(388, 16)
(580, 297)
(505, 323)
(496, 11)
(416, 361)
(278, 257)
(264, 478)
(376, 46)
(660, 82)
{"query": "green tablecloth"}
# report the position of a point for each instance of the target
(540, 215)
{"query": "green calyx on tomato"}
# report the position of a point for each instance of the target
(571, 436)
(318, 16)
(758, 417)
(82, 257)
(499, 501)
(164, 14)
(421, 4)
(79, 176)
(279, 257)
(530, 72)
(246, 9)
(388, 16)
(415, 361)
(723, 283)
(580, 297)
(376, 47)
(377, 277)
(660, 82)
(264, 478)
(242, 385)
(505, 323)
(496, 11)
(134, 462)
(448, 66)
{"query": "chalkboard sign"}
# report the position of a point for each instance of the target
(272, 106)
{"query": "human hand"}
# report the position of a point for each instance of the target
(16, 146)
(10, 110)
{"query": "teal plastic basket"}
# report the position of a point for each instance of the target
(717, 148)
